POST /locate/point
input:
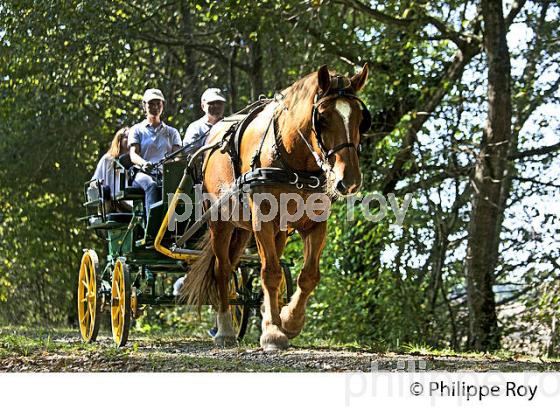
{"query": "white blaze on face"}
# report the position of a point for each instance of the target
(345, 109)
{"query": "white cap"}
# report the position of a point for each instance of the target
(153, 94)
(212, 94)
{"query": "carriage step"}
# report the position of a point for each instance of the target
(146, 244)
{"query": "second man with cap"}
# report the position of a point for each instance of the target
(213, 104)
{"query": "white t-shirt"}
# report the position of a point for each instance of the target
(108, 173)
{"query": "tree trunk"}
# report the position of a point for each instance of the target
(554, 338)
(256, 74)
(488, 185)
(191, 87)
(232, 80)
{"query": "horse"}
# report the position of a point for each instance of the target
(313, 128)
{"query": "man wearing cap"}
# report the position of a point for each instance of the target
(213, 104)
(149, 142)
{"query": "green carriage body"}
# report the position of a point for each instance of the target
(148, 275)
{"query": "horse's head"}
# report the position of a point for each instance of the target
(339, 119)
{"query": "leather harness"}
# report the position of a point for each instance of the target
(284, 175)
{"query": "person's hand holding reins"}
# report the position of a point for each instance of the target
(148, 167)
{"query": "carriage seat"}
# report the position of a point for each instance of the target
(127, 192)
(130, 193)
(112, 220)
(120, 217)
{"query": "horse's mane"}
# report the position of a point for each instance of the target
(298, 101)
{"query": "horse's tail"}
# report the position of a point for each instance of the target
(199, 287)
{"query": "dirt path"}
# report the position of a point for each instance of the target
(59, 351)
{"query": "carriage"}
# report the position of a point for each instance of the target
(138, 268)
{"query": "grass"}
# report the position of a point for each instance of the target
(19, 343)
(26, 342)
(503, 355)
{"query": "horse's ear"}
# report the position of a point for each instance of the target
(324, 79)
(359, 80)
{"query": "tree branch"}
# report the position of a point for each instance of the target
(515, 9)
(436, 178)
(536, 151)
(405, 23)
(536, 181)
(203, 47)
(427, 105)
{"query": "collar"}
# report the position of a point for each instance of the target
(146, 124)
(206, 120)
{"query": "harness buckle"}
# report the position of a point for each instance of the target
(316, 184)
(295, 181)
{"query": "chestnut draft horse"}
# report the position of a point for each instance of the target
(317, 123)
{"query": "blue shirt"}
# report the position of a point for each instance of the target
(156, 142)
(196, 133)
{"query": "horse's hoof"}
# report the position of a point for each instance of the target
(273, 342)
(290, 331)
(225, 341)
(291, 335)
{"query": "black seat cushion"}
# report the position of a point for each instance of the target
(120, 217)
(128, 191)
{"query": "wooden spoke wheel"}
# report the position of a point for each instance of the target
(239, 293)
(120, 303)
(88, 292)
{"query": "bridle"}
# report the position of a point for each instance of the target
(340, 88)
(365, 124)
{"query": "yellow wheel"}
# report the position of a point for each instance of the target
(239, 291)
(120, 303)
(88, 303)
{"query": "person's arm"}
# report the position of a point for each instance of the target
(190, 135)
(135, 155)
(134, 145)
(176, 142)
(100, 169)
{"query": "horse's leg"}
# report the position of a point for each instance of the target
(221, 239)
(281, 238)
(272, 337)
(280, 242)
(293, 314)
(239, 242)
